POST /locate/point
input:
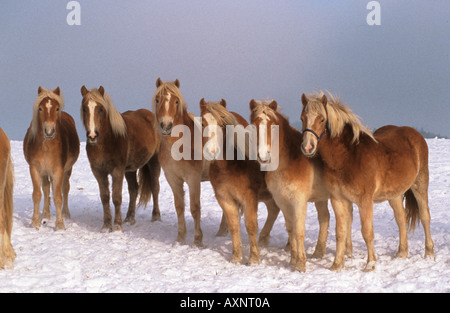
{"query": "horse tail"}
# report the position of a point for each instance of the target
(8, 202)
(149, 180)
(145, 190)
(412, 210)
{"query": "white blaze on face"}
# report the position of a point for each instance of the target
(309, 140)
(211, 131)
(49, 106)
(166, 119)
(91, 124)
(264, 146)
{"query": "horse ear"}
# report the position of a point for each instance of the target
(84, 90)
(158, 82)
(40, 90)
(252, 104)
(177, 83)
(101, 89)
(57, 91)
(273, 105)
(324, 100)
(223, 103)
(304, 99)
(202, 104)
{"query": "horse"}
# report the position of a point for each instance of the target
(294, 182)
(362, 167)
(51, 147)
(120, 145)
(237, 183)
(181, 164)
(7, 254)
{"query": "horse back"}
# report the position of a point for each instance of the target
(143, 141)
(69, 138)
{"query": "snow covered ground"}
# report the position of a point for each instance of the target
(145, 258)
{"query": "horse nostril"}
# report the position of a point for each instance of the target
(169, 126)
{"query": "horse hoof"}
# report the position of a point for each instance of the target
(156, 218)
(300, 267)
(336, 267)
(370, 266)
(106, 229)
(59, 226)
(130, 221)
(118, 228)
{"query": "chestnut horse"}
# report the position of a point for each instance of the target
(294, 182)
(7, 254)
(364, 168)
(188, 166)
(51, 148)
(119, 145)
(236, 183)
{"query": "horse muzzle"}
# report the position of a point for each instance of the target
(49, 132)
(166, 128)
(92, 137)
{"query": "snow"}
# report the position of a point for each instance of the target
(145, 258)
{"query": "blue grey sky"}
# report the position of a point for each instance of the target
(394, 73)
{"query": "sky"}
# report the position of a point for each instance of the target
(393, 73)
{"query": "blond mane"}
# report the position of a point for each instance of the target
(221, 114)
(263, 108)
(169, 87)
(44, 93)
(116, 120)
(338, 115)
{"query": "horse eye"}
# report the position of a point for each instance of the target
(323, 120)
(156, 101)
(177, 102)
(57, 109)
(40, 109)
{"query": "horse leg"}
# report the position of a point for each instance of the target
(323, 215)
(46, 216)
(251, 224)
(133, 192)
(299, 234)
(117, 184)
(57, 181)
(36, 179)
(194, 199)
(400, 218)
(231, 211)
(103, 185)
(176, 184)
(155, 172)
(272, 213)
(66, 190)
(420, 192)
(340, 208)
(348, 244)
(366, 216)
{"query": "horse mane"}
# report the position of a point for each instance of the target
(338, 115)
(221, 114)
(169, 87)
(262, 108)
(44, 93)
(116, 120)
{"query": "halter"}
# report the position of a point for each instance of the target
(315, 134)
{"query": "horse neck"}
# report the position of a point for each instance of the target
(290, 141)
(339, 151)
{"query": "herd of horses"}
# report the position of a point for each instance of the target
(334, 158)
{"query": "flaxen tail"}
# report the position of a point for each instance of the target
(412, 210)
(145, 187)
(149, 181)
